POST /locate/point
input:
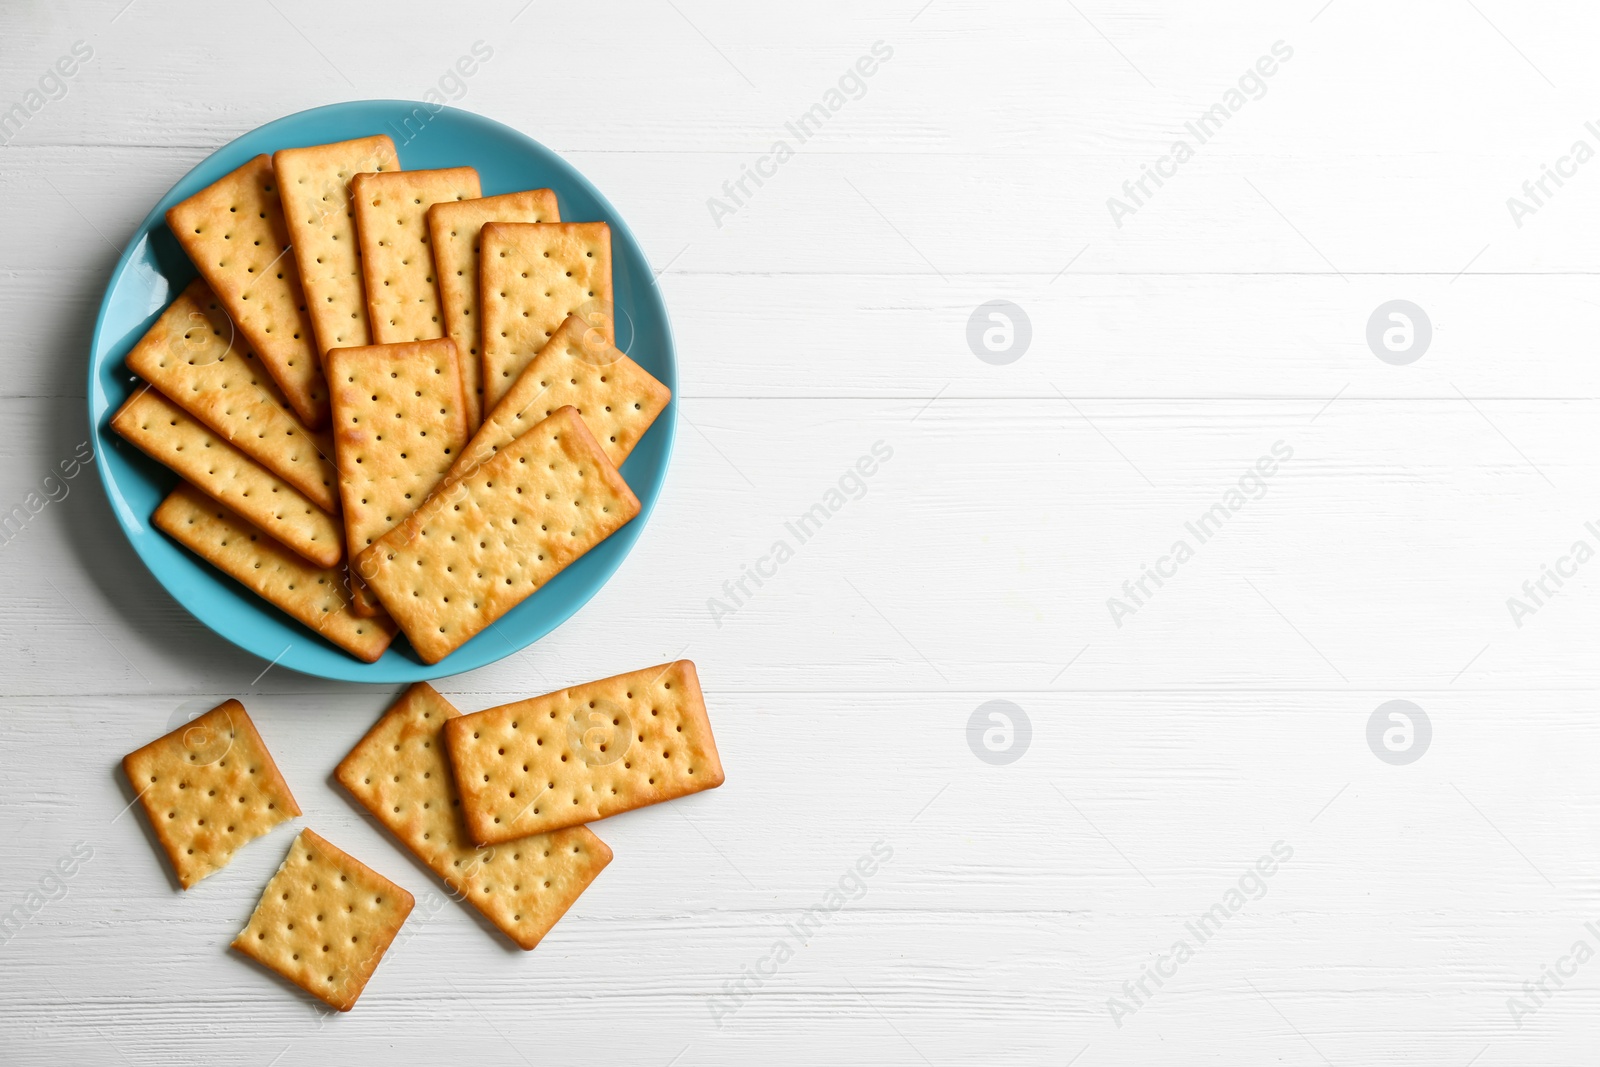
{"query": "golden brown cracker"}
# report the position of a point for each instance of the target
(313, 595)
(453, 227)
(235, 233)
(324, 921)
(396, 260)
(617, 398)
(583, 753)
(479, 547)
(194, 355)
(399, 422)
(400, 773)
(208, 788)
(315, 187)
(170, 436)
(531, 277)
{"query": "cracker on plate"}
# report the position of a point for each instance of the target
(235, 233)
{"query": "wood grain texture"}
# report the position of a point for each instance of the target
(826, 315)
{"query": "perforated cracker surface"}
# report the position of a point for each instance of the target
(208, 788)
(324, 921)
(399, 772)
(617, 398)
(315, 187)
(531, 277)
(313, 595)
(192, 355)
(583, 753)
(398, 424)
(235, 233)
(478, 548)
(454, 227)
(169, 435)
(396, 257)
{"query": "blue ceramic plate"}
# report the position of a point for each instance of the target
(154, 270)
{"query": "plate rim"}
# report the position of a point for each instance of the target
(358, 670)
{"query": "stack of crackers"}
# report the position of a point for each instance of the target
(494, 803)
(395, 404)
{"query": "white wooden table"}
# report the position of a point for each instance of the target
(824, 313)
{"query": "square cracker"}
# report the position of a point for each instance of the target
(617, 398)
(396, 261)
(583, 753)
(324, 921)
(193, 356)
(234, 232)
(314, 596)
(315, 186)
(398, 424)
(532, 275)
(170, 436)
(399, 773)
(453, 227)
(476, 550)
(208, 788)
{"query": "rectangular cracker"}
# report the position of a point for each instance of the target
(581, 754)
(617, 398)
(235, 233)
(193, 356)
(531, 276)
(453, 227)
(399, 422)
(396, 260)
(399, 772)
(314, 596)
(324, 921)
(209, 788)
(315, 187)
(479, 548)
(170, 436)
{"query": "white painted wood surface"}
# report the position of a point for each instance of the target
(829, 313)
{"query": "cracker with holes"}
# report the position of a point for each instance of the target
(453, 228)
(193, 355)
(209, 787)
(315, 188)
(170, 436)
(531, 277)
(399, 772)
(315, 596)
(324, 921)
(235, 233)
(617, 398)
(479, 547)
(398, 424)
(396, 260)
(568, 758)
